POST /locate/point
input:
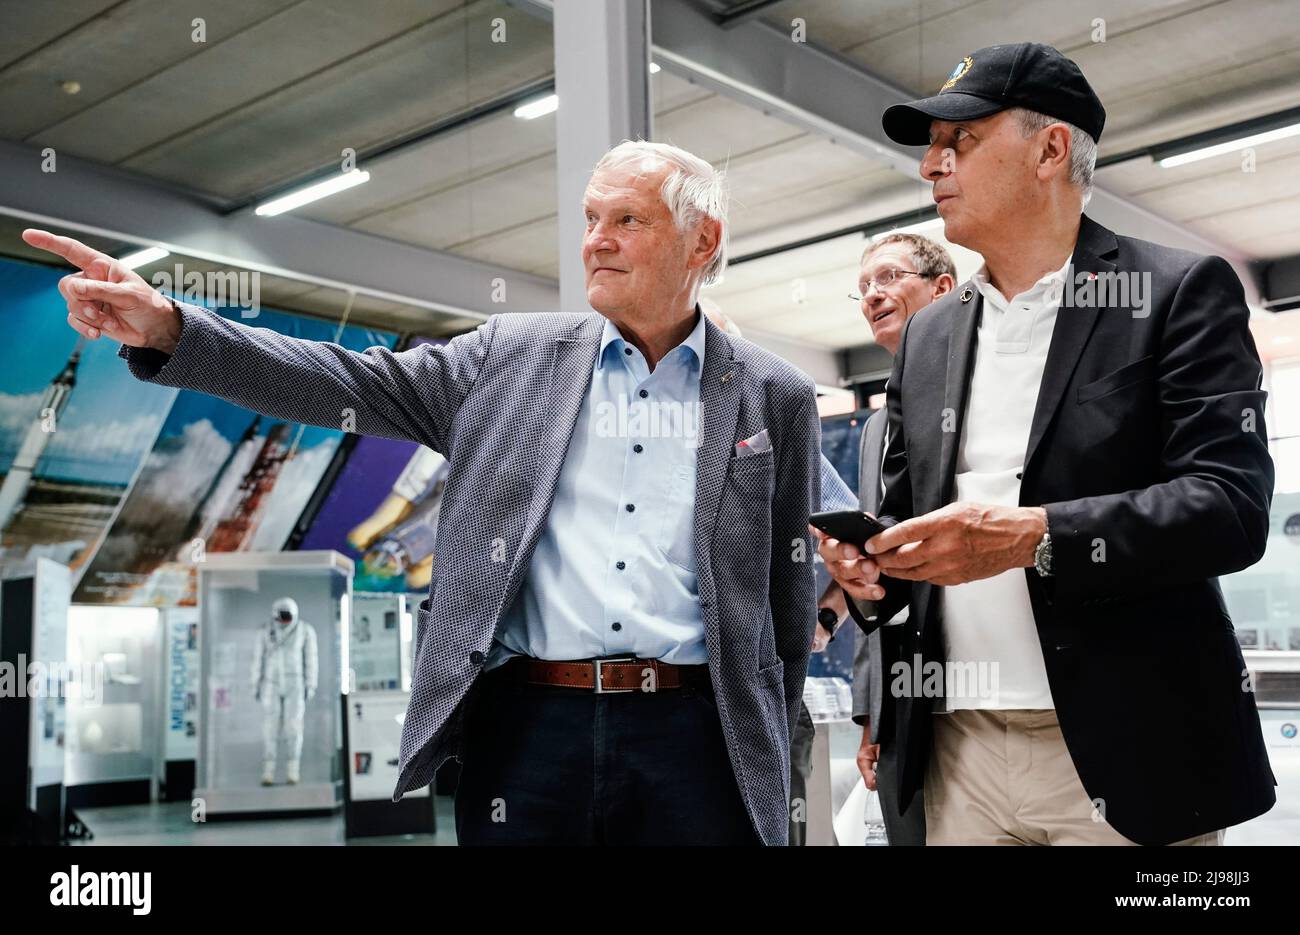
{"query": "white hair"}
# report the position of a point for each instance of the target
(692, 190)
(1083, 148)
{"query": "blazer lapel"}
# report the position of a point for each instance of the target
(963, 319)
(869, 455)
(720, 380)
(1074, 325)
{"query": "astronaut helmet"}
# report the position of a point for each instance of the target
(284, 611)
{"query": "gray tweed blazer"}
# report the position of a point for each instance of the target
(500, 404)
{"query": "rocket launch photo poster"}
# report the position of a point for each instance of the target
(74, 425)
(219, 478)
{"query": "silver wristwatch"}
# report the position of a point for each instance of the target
(1043, 556)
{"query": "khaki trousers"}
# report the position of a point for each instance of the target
(1006, 777)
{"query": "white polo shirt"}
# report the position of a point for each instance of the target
(994, 658)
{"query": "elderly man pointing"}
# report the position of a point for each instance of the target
(617, 632)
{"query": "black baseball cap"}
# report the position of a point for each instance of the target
(1026, 74)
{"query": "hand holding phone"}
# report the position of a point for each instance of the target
(852, 526)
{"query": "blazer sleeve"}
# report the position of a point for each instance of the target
(792, 595)
(409, 395)
(1208, 516)
(861, 677)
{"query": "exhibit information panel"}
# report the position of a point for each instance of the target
(376, 642)
(53, 590)
(374, 741)
(273, 643)
(181, 736)
(34, 679)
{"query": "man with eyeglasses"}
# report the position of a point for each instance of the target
(900, 275)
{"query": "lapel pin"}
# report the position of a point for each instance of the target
(726, 377)
(967, 294)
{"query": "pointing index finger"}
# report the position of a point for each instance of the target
(74, 251)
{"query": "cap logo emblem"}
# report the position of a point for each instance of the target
(957, 73)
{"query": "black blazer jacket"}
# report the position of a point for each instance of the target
(1148, 451)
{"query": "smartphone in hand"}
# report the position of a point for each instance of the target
(852, 526)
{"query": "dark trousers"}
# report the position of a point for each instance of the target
(906, 829)
(551, 765)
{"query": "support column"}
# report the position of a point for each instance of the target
(602, 77)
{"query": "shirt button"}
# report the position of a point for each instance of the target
(616, 625)
(476, 658)
(1019, 475)
(631, 507)
(627, 351)
(621, 565)
(638, 448)
(644, 394)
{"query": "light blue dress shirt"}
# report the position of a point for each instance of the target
(836, 495)
(614, 571)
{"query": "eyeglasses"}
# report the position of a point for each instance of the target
(883, 280)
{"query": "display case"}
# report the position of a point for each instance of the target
(33, 700)
(1274, 678)
(1264, 599)
(380, 660)
(273, 645)
(114, 708)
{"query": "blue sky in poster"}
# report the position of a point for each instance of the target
(111, 419)
(190, 480)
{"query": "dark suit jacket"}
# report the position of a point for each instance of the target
(867, 664)
(874, 655)
(1147, 450)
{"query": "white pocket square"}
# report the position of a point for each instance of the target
(754, 445)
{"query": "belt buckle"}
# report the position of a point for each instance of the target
(600, 683)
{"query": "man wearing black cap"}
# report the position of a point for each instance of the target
(1075, 456)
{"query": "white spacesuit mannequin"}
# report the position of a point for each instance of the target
(284, 680)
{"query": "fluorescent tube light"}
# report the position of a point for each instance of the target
(313, 192)
(143, 257)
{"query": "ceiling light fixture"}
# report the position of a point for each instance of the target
(1230, 139)
(313, 192)
(143, 257)
(538, 108)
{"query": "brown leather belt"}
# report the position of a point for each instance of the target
(604, 676)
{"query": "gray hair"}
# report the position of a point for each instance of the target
(1083, 148)
(692, 190)
(931, 259)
